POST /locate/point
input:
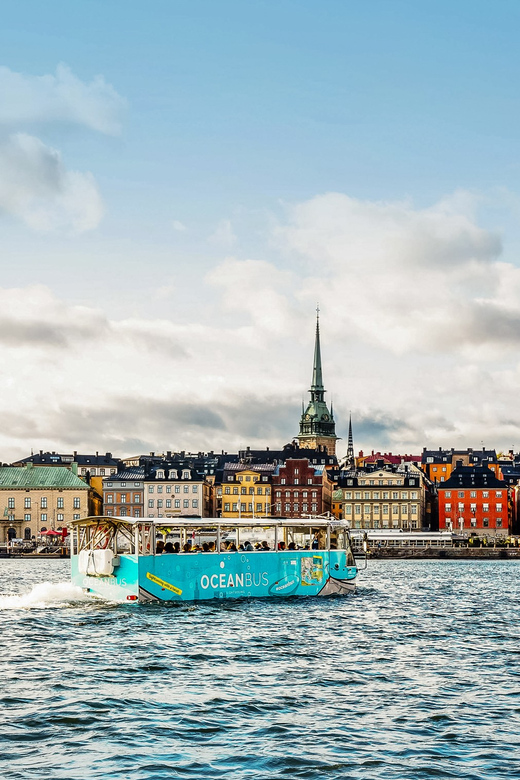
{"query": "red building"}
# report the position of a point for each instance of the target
(474, 501)
(300, 489)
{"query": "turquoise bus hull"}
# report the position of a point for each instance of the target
(201, 576)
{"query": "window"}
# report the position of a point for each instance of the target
(195, 503)
(150, 488)
(137, 498)
(485, 507)
(27, 503)
(194, 488)
(259, 507)
(413, 509)
(110, 498)
(448, 494)
(177, 489)
(27, 518)
(168, 503)
(315, 507)
(385, 509)
(348, 496)
(122, 513)
(251, 491)
(150, 503)
(485, 522)
(185, 474)
(43, 519)
(304, 493)
(357, 509)
(60, 517)
(348, 509)
(357, 495)
(243, 491)
(366, 496)
(159, 474)
(296, 481)
(235, 491)
(77, 503)
(60, 503)
(473, 494)
(395, 496)
(305, 507)
(177, 503)
(473, 522)
(413, 494)
(287, 507)
(259, 491)
(376, 509)
(309, 481)
(386, 495)
(123, 484)
(485, 494)
(376, 495)
(395, 509)
(282, 481)
(123, 498)
(498, 493)
(159, 503)
(404, 494)
(137, 513)
(76, 517)
(186, 503)
(461, 494)
(367, 509)
(296, 471)
(172, 474)
(168, 488)
(295, 507)
(10, 503)
(499, 507)
(448, 507)
(404, 509)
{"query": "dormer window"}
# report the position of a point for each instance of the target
(185, 474)
(172, 474)
(159, 474)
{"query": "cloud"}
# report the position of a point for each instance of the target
(223, 235)
(36, 187)
(178, 226)
(61, 97)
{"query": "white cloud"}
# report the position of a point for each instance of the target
(59, 98)
(179, 226)
(36, 187)
(223, 235)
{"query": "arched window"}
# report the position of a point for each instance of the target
(42, 530)
(11, 533)
(27, 534)
(159, 474)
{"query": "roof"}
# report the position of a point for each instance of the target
(56, 458)
(472, 477)
(23, 477)
(136, 473)
(264, 467)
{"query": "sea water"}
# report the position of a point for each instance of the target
(415, 676)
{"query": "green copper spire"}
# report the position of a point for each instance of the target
(317, 376)
(317, 427)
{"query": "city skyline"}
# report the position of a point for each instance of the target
(177, 193)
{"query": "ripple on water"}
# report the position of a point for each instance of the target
(415, 676)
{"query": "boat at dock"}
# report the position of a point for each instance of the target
(120, 559)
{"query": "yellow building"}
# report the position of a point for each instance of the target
(246, 491)
(35, 500)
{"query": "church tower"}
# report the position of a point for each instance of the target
(317, 426)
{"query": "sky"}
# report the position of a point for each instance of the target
(181, 182)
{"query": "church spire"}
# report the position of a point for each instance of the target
(351, 461)
(317, 427)
(317, 375)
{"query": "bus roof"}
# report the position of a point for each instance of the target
(213, 522)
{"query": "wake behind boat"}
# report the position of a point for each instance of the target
(121, 559)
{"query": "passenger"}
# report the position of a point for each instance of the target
(292, 546)
(258, 546)
(187, 547)
(315, 542)
(241, 547)
(168, 547)
(232, 547)
(265, 546)
(211, 547)
(205, 547)
(281, 545)
(159, 547)
(248, 547)
(176, 547)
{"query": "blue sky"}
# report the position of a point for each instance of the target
(231, 117)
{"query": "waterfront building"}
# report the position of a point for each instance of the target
(383, 496)
(300, 488)
(474, 501)
(176, 488)
(35, 500)
(245, 491)
(317, 426)
(123, 493)
(439, 464)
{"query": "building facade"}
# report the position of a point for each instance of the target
(245, 491)
(301, 489)
(36, 500)
(474, 501)
(385, 497)
(439, 464)
(123, 493)
(176, 489)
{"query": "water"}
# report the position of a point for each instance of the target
(416, 676)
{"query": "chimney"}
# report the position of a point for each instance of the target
(458, 464)
(108, 455)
